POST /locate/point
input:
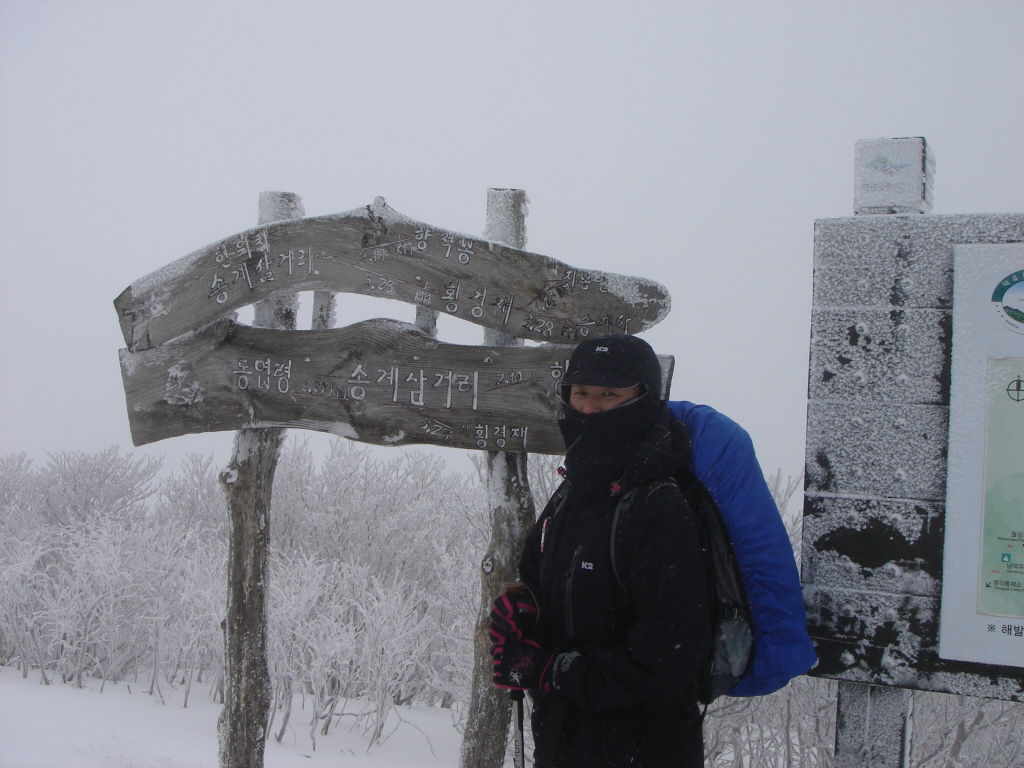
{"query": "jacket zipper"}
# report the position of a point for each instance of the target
(568, 592)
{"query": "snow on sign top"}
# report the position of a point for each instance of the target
(377, 251)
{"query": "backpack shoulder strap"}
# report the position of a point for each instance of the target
(620, 520)
(557, 501)
(559, 497)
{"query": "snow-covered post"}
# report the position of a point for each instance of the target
(248, 481)
(873, 726)
(512, 516)
(323, 311)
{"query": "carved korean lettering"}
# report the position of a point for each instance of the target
(498, 436)
(390, 376)
(504, 305)
(448, 240)
(451, 296)
(479, 298)
(358, 379)
(263, 374)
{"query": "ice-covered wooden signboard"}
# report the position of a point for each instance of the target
(377, 251)
(877, 444)
(190, 368)
(378, 381)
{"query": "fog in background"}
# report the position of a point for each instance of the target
(693, 143)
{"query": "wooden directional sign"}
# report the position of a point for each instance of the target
(378, 381)
(377, 251)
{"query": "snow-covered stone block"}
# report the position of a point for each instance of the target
(886, 355)
(898, 261)
(883, 545)
(873, 637)
(893, 176)
(895, 451)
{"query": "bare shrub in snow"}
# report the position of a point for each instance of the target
(382, 615)
(106, 574)
(959, 731)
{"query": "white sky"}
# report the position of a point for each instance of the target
(694, 143)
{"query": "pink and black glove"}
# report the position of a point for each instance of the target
(522, 665)
(513, 617)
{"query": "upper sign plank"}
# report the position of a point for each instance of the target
(377, 251)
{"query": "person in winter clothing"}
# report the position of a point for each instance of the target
(610, 660)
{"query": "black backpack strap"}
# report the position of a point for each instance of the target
(620, 520)
(622, 511)
(559, 497)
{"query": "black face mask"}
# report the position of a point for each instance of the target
(599, 446)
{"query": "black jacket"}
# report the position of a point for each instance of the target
(629, 697)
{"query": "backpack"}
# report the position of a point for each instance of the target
(724, 467)
(724, 462)
(732, 626)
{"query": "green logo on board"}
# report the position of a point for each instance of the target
(1008, 298)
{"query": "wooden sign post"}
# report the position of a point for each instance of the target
(248, 483)
(190, 368)
(512, 515)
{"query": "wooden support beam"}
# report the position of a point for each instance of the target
(248, 482)
(512, 515)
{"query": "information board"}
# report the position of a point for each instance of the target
(982, 615)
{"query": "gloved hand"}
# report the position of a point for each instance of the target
(513, 616)
(522, 665)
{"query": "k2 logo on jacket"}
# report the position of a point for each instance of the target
(587, 566)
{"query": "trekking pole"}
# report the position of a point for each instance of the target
(519, 750)
(518, 756)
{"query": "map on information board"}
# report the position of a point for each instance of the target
(1001, 577)
(982, 610)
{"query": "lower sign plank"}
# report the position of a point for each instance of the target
(378, 381)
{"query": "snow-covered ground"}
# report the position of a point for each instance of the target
(60, 726)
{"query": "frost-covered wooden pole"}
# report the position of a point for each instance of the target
(248, 481)
(512, 516)
(323, 311)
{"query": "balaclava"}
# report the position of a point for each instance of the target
(598, 446)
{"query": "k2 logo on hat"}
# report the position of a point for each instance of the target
(601, 349)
